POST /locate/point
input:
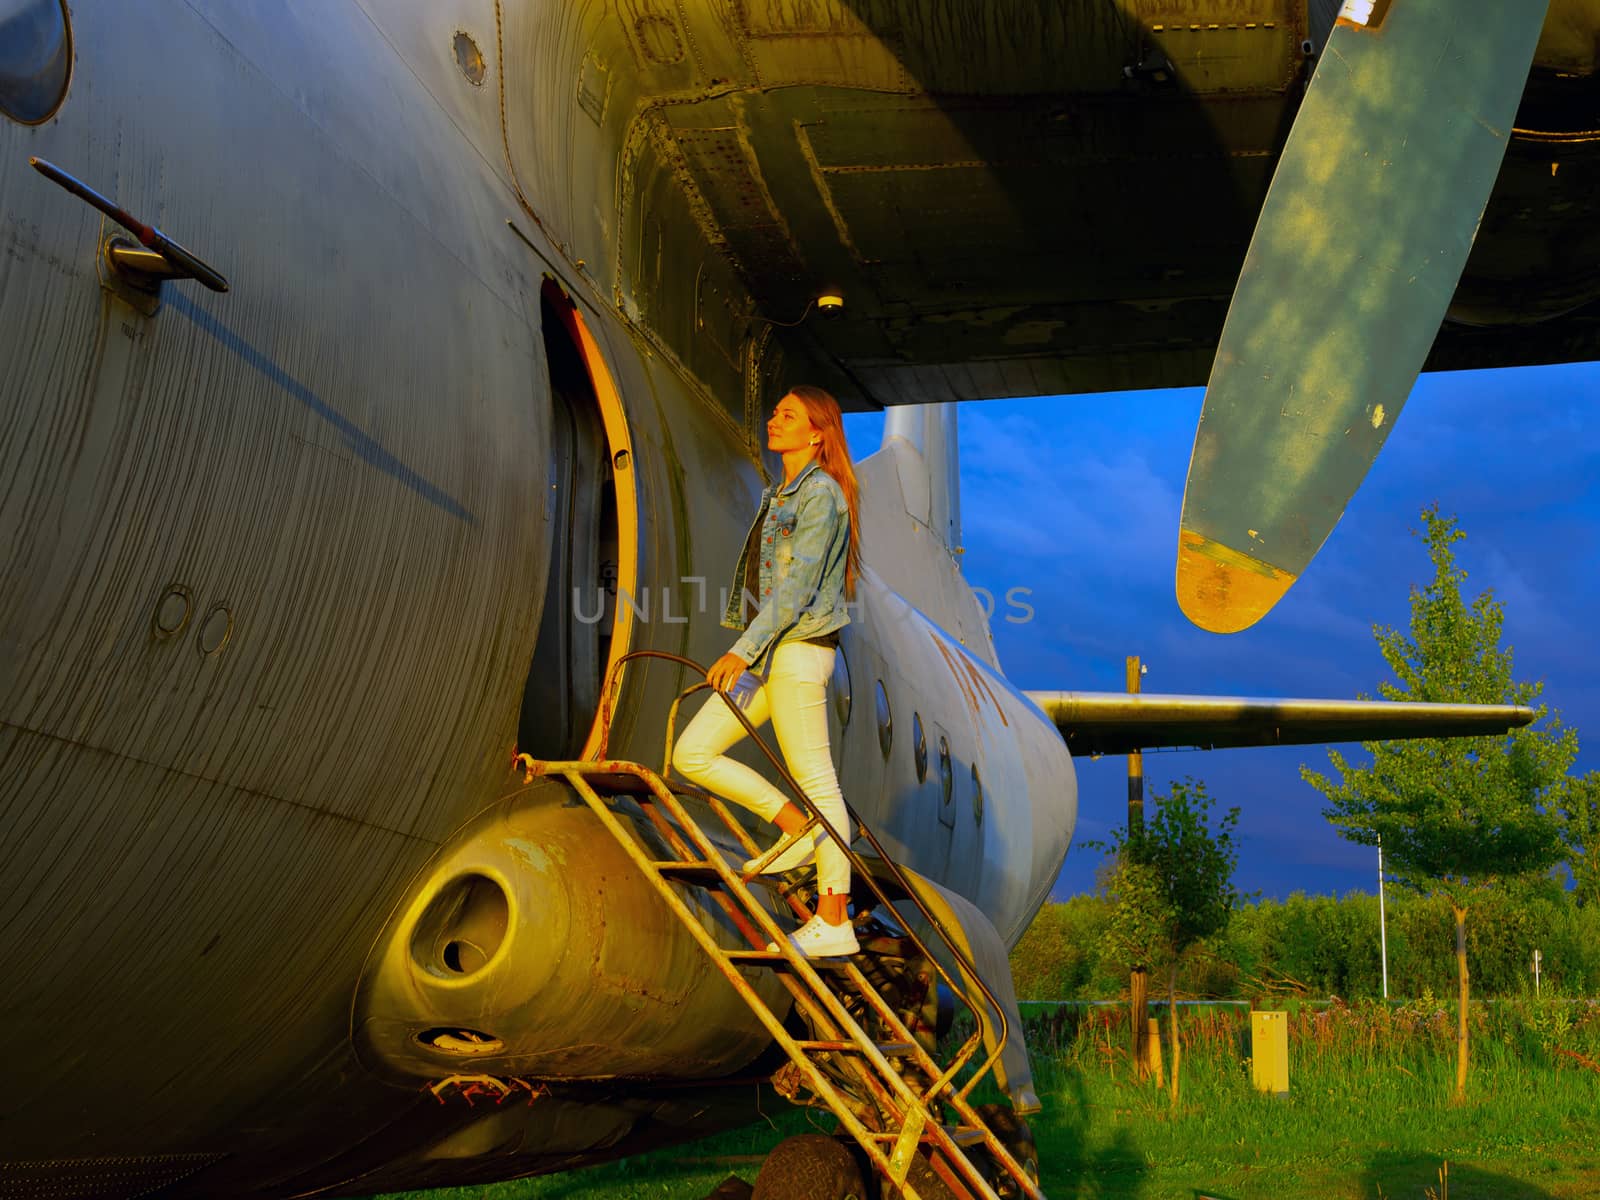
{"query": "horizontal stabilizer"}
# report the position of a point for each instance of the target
(1120, 723)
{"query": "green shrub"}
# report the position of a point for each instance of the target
(1328, 946)
(1056, 957)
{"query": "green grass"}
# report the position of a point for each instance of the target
(1369, 1112)
(1369, 1115)
(1343, 1131)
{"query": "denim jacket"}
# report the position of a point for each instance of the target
(800, 539)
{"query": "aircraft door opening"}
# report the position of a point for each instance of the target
(589, 509)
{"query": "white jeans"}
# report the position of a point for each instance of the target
(795, 695)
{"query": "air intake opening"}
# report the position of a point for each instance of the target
(462, 927)
(464, 957)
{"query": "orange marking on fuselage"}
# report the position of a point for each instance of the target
(960, 678)
(982, 684)
(974, 687)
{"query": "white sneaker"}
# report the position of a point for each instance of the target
(798, 849)
(818, 939)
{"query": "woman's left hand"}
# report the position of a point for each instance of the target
(725, 672)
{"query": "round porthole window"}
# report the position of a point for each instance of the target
(841, 688)
(947, 779)
(885, 721)
(35, 58)
(919, 746)
(977, 795)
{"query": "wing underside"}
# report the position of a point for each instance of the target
(1095, 723)
(1026, 199)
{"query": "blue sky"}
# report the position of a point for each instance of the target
(1514, 454)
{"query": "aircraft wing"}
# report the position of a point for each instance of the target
(1119, 723)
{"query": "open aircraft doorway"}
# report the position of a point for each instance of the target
(591, 515)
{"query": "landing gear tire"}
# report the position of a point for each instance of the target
(810, 1167)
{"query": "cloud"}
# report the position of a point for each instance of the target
(1079, 498)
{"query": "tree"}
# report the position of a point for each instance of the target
(1580, 834)
(1455, 814)
(1171, 885)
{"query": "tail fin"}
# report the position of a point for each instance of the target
(911, 521)
(931, 479)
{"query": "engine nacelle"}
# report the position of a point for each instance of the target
(532, 946)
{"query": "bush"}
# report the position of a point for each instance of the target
(1328, 946)
(1056, 957)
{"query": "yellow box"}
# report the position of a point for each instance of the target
(1269, 1052)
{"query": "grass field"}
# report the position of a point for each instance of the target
(1358, 1122)
(1368, 1115)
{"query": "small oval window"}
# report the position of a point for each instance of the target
(841, 688)
(35, 56)
(470, 59)
(977, 795)
(919, 746)
(947, 778)
(885, 721)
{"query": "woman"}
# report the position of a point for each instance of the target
(799, 567)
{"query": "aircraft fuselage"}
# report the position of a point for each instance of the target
(277, 576)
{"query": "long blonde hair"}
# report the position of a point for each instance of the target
(833, 456)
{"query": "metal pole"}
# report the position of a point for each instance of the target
(1383, 927)
(1135, 759)
(1138, 980)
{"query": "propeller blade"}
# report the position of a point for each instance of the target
(1360, 243)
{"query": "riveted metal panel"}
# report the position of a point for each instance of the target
(1221, 47)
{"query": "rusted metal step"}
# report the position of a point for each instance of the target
(847, 1047)
(695, 871)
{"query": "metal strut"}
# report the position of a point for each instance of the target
(900, 1082)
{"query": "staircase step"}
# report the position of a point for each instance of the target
(694, 870)
(887, 1049)
(775, 960)
(961, 1135)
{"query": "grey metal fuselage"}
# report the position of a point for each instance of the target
(276, 567)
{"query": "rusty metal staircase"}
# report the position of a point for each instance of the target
(886, 1089)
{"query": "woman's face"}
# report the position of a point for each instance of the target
(789, 428)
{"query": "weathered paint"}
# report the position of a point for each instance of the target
(342, 462)
(1360, 244)
(1223, 589)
